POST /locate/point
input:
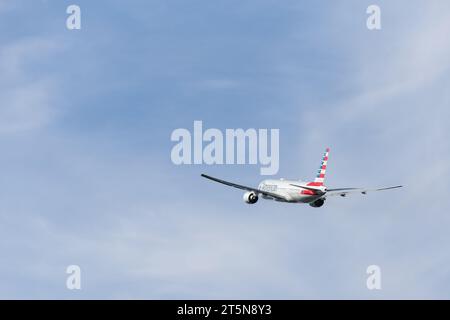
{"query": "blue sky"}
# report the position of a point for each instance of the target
(85, 124)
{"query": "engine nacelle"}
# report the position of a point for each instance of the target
(250, 197)
(318, 203)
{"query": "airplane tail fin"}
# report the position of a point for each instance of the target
(318, 181)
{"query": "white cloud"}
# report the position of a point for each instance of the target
(146, 230)
(27, 95)
(26, 107)
(394, 129)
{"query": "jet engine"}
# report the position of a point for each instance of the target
(250, 197)
(318, 203)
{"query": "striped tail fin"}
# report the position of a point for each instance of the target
(318, 181)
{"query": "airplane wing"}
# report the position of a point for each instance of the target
(257, 191)
(344, 191)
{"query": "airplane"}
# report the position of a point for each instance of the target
(296, 191)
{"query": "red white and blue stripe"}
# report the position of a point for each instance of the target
(318, 181)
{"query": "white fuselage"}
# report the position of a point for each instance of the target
(285, 189)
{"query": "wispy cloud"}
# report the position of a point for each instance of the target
(392, 128)
(100, 190)
(28, 97)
